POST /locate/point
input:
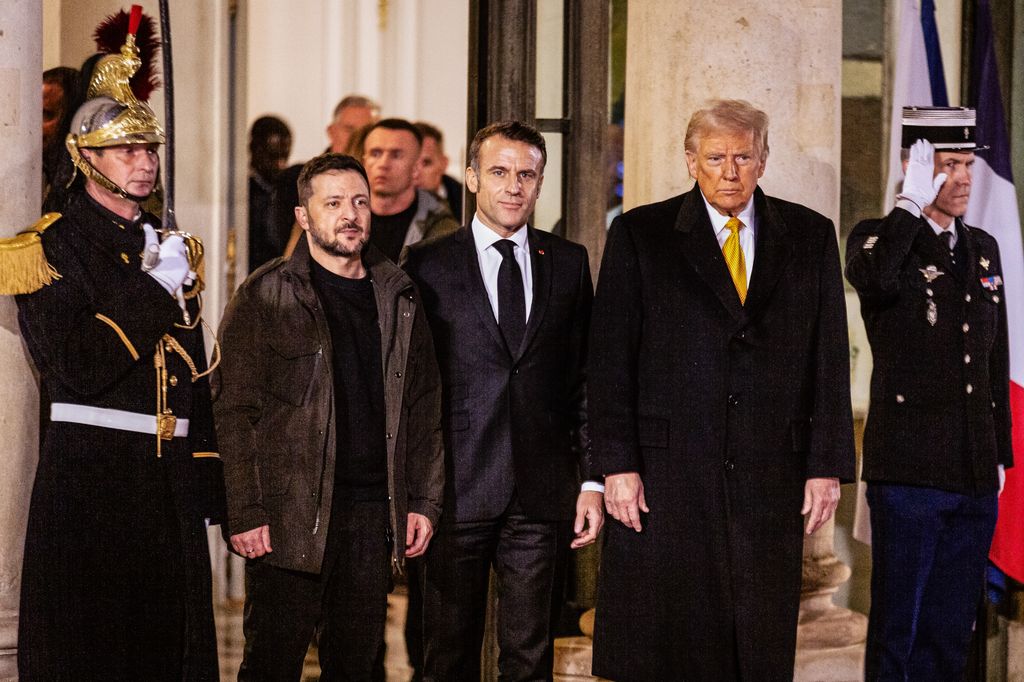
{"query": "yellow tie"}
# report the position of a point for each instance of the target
(734, 259)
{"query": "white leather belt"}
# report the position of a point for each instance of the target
(112, 419)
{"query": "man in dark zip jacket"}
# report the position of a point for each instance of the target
(329, 410)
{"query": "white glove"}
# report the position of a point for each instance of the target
(920, 187)
(1001, 470)
(151, 252)
(172, 269)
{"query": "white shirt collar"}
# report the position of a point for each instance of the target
(485, 237)
(939, 230)
(718, 220)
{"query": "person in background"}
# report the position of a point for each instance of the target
(270, 143)
(402, 214)
(433, 170)
(350, 114)
(60, 100)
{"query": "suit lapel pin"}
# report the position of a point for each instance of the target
(984, 262)
(540, 252)
(933, 312)
(931, 273)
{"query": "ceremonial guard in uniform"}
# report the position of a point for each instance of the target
(937, 438)
(116, 582)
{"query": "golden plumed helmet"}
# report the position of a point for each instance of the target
(112, 115)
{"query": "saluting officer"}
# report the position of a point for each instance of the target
(116, 579)
(937, 439)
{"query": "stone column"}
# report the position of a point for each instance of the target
(21, 57)
(785, 57)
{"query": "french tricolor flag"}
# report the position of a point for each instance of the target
(993, 207)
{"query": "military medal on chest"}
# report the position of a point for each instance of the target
(931, 273)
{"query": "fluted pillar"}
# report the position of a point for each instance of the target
(21, 57)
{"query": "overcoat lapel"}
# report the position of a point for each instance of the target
(700, 248)
(772, 251)
(540, 263)
(475, 290)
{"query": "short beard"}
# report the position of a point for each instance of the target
(334, 247)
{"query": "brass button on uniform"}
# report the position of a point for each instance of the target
(173, 380)
(966, 327)
(900, 398)
(967, 359)
(995, 299)
(967, 298)
(124, 257)
(970, 389)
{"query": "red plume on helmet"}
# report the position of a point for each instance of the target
(110, 36)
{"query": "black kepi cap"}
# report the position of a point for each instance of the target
(949, 129)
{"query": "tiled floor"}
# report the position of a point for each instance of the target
(230, 642)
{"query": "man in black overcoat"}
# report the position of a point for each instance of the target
(937, 438)
(720, 413)
(509, 307)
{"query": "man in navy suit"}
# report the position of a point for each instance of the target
(509, 307)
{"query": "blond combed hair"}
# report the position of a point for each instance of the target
(728, 114)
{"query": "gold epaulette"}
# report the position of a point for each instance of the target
(23, 265)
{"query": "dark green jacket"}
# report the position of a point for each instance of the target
(274, 408)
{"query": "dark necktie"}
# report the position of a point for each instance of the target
(511, 297)
(947, 239)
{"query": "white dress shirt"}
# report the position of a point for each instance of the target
(938, 229)
(490, 261)
(748, 235)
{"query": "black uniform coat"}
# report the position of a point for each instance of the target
(513, 419)
(940, 413)
(724, 410)
(116, 580)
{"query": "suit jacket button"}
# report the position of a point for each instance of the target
(966, 327)
(398, 374)
(969, 389)
(967, 298)
(967, 359)
(900, 398)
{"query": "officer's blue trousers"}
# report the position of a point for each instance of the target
(929, 550)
